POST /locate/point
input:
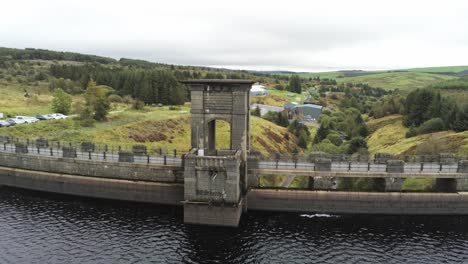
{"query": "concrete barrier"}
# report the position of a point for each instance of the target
(322, 164)
(462, 166)
(395, 166)
(139, 150)
(358, 202)
(93, 168)
(88, 147)
(135, 191)
(382, 158)
(42, 143)
(126, 156)
(21, 148)
(68, 152)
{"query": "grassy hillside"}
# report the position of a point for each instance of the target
(155, 128)
(398, 80)
(446, 69)
(389, 137)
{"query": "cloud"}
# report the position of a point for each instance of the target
(294, 35)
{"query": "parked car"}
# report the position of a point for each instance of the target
(59, 116)
(14, 121)
(45, 117)
(4, 123)
(27, 119)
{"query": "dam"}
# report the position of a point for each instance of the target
(216, 186)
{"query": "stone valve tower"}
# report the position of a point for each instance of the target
(215, 180)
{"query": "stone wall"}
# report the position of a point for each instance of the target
(101, 169)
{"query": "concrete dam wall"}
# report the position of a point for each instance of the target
(358, 202)
(125, 190)
(93, 168)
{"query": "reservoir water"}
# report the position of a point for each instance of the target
(45, 228)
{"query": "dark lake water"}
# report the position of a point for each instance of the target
(44, 228)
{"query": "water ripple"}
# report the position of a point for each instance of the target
(44, 228)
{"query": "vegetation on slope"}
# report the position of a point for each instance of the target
(398, 80)
(390, 137)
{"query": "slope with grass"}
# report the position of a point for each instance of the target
(405, 81)
(154, 127)
(389, 137)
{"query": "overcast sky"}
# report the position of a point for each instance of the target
(263, 35)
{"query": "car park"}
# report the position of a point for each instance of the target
(4, 123)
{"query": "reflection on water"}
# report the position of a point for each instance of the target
(45, 228)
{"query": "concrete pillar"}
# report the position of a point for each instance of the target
(68, 152)
(126, 156)
(462, 166)
(139, 150)
(324, 183)
(4, 139)
(446, 158)
(322, 164)
(382, 158)
(253, 179)
(87, 147)
(462, 183)
(42, 143)
(395, 166)
(394, 184)
(21, 148)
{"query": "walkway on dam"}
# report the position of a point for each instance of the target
(264, 166)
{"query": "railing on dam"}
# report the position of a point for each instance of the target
(442, 163)
(92, 151)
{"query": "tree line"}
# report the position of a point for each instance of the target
(151, 86)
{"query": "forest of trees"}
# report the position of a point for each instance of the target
(426, 111)
(147, 85)
(41, 54)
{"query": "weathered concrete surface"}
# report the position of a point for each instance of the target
(135, 191)
(394, 184)
(102, 169)
(219, 215)
(358, 202)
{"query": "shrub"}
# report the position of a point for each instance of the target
(174, 107)
(61, 102)
(138, 105)
(357, 143)
(430, 126)
(335, 139)
(115, 98)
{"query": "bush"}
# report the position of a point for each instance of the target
(137, 104)
(430, 126)
(327, 147)
(115, 98)
(277, 118)
(335, 139)
(356, 144)
(174, 108)
(61, 102)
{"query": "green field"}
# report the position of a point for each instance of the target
(453, 69)
(398, 80)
